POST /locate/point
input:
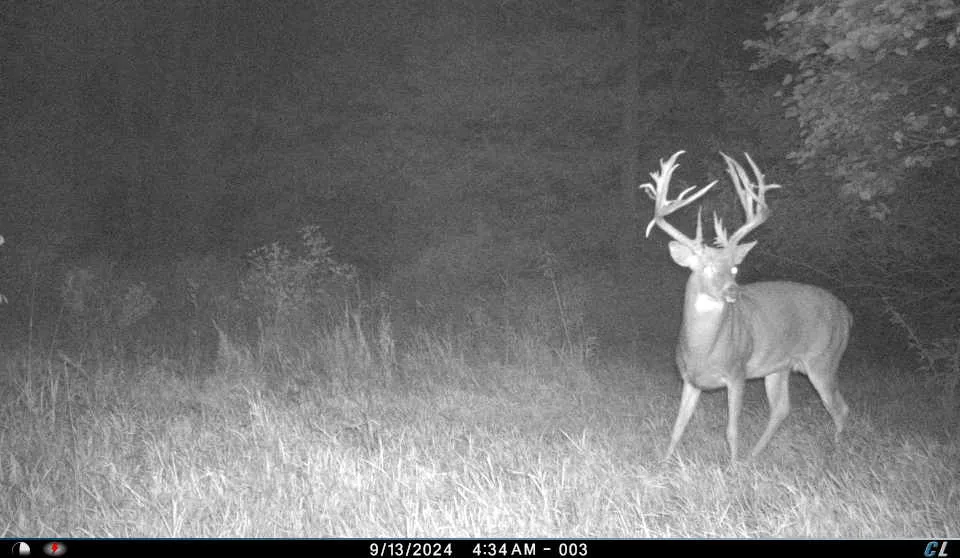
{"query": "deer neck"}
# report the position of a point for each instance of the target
(707, 321)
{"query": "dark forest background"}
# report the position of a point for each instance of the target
(466, 158)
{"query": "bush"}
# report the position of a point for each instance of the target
(300, 288)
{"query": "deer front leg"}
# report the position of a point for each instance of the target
(735, 389)
(688, 402)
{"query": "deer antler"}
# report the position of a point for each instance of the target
(664, 207)
(752, 198)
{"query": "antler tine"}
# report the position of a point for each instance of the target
(752, 198)
(663, 206)
(720, 232)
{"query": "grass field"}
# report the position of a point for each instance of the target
(331, 444)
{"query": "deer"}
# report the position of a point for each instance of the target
(732, 333)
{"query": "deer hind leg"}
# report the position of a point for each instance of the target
(688, 402)
(778, 396)
(823, 376)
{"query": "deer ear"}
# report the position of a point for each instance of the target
(682, 254)
(741, 251)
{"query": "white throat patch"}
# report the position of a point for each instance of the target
(706, 303)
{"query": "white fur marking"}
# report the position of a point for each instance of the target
(706, 303)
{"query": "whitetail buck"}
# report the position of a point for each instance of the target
(733, 333)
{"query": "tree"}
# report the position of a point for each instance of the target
(873, 85)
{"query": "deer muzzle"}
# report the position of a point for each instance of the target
(731, 292)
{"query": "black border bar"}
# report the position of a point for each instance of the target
(477, 548)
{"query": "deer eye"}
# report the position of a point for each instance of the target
(734, 270)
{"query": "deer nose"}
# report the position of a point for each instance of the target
(730, 292)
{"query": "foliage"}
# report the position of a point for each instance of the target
(296, 287)
(873, 85)
(209, 284)
(939, 364)
(100, 309)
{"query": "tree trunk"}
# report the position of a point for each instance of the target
(627, 237)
